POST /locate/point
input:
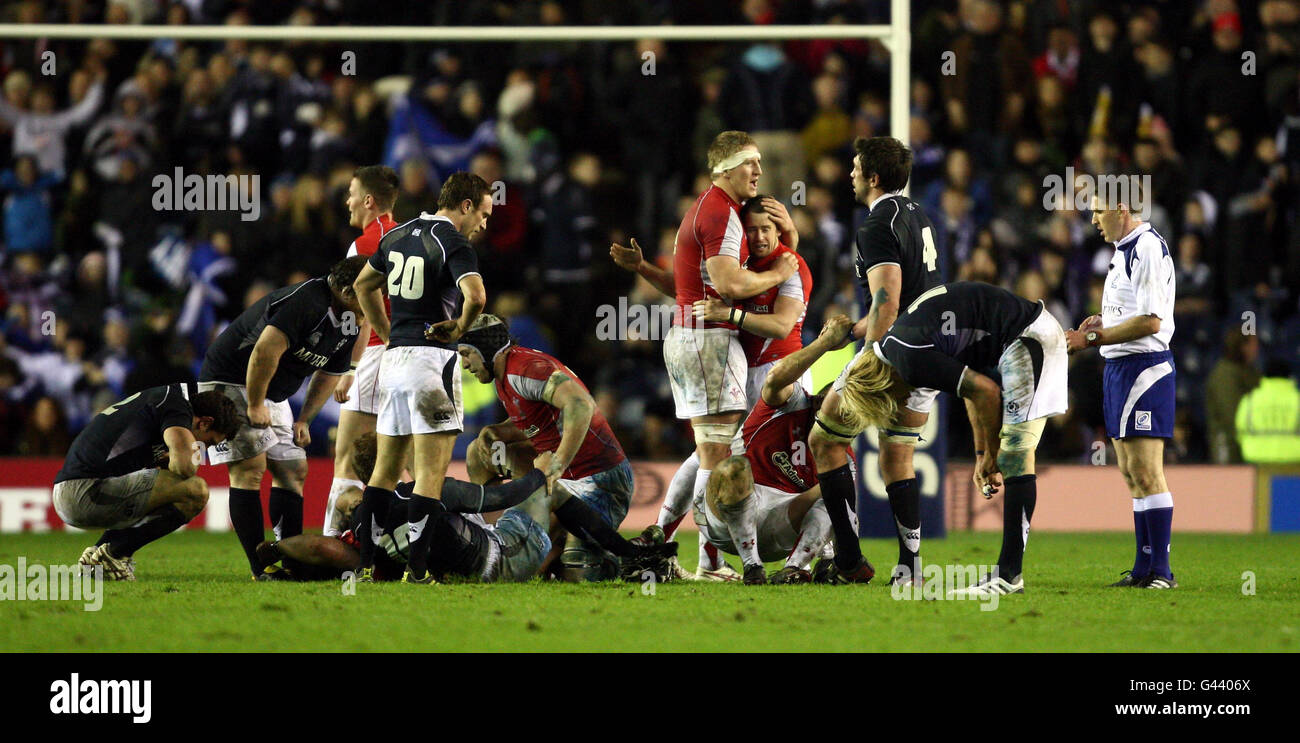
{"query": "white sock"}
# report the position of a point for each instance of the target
(709, 557)
(677, 501)
(337, 486)
(742, 523)
(814, 535)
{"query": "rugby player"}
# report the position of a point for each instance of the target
(550, 410)
(950, 339)
(427, 265)
(1133, 332)
(705, 360)
(465, 546)
(764, 503)
(259, 361)
(131, 470)
(896, 262)
(371, 194)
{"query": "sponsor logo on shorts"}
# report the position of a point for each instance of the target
(1142, 420)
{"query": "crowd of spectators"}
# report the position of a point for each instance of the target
(102, 294)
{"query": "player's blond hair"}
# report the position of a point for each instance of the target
(865, 399)
(727, 144)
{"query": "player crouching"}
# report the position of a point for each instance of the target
(551, 409)
(766, 504)
(131, 471)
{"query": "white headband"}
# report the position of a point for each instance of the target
(740, 157)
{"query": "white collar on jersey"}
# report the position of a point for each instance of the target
(434, 217)
(1144, 227)
(872, 206)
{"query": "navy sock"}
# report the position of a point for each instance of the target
(423, 515)
(905, 502)
(124, 542)
(1160, 522)
(1142, 561)
(373, 509)
(840, 497)
(1017, 510)
(285, 508)
(246, 518)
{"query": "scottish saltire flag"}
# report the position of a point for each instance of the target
(414, 132)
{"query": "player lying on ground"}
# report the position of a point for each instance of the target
(940, 342)
(463, 545)
(765, 504)
(131, 471)
(704, 356)
(258, 362)
(550, 408)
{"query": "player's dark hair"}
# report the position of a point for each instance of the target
(460, 186)
(364, 451)
(225, 416)
(345, 272)
(380, 181)
(887, 158)
(754, 206)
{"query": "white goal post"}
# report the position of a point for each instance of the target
(896, 37)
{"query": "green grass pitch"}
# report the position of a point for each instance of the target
(192, 595)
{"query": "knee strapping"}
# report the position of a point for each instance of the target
(834, 432)
(1022, 436)
(906, 435)
(715, 433)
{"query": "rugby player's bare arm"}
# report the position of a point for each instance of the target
(262, 363)
(984, 406)
(631, 259)
(358, 349)
(777, 212)
(576, 410)
(886, 278)
(180, 451)
(369, 287)
(733, 282)
(777, 324)
(784, 374)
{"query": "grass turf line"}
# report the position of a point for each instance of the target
(193, 594)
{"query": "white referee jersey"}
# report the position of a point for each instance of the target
(1140, 282)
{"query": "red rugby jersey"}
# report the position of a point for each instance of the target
(710, 228)
(776, 443)
(366, 244)
(758, 349)
(520, 391)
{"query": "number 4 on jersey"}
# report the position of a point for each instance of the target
(928, 254)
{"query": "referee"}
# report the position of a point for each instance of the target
(259, 361)
(1133, 333)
